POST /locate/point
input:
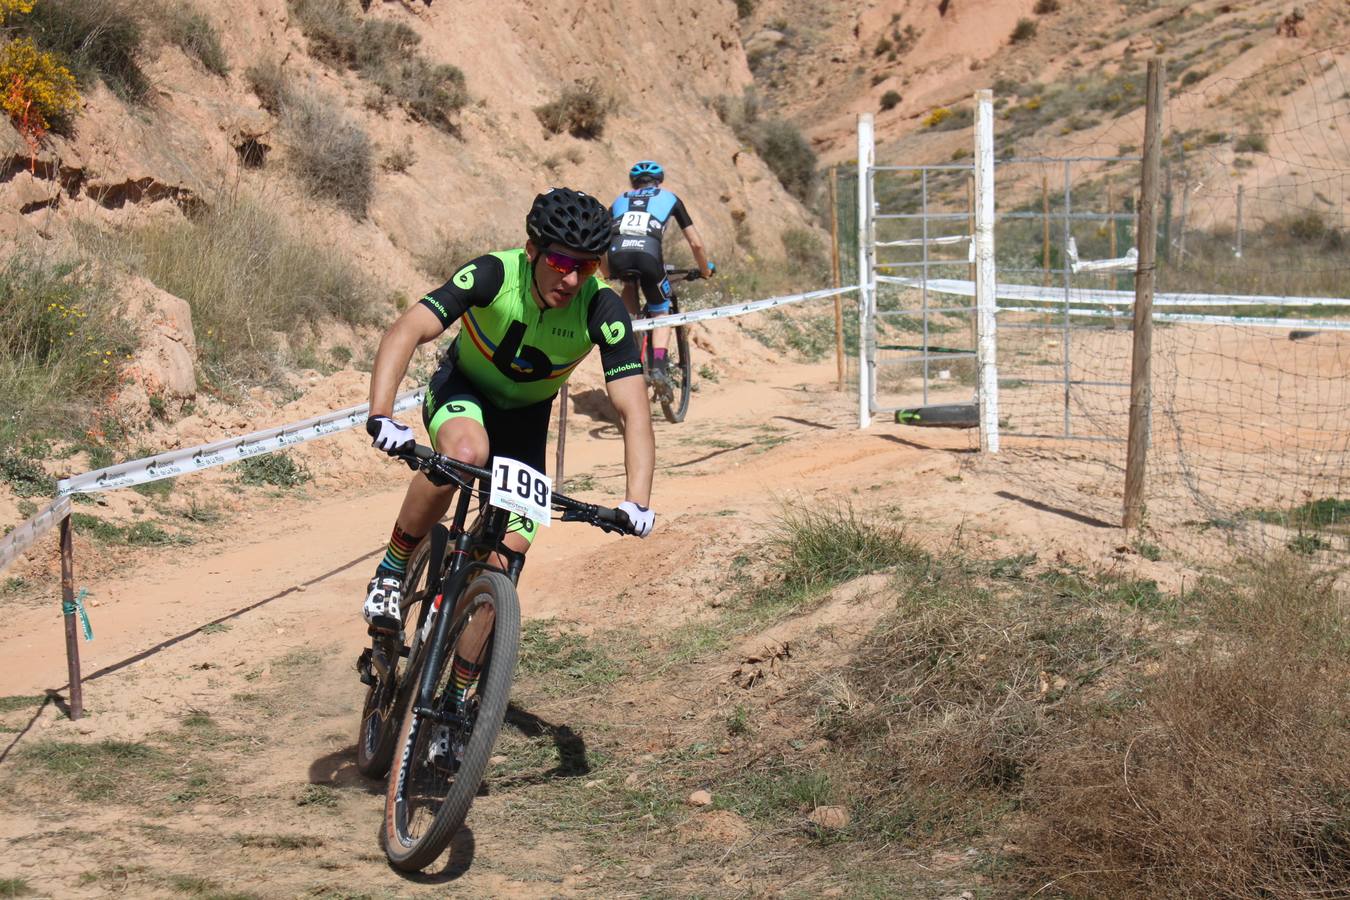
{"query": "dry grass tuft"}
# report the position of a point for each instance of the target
(580, 110)
(247, 279)
(1231, 777)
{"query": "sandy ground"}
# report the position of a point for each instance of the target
(259, 629)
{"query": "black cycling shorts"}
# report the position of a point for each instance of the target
(520, 433)
(651, 273)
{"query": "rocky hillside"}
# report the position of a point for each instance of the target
(197, 134)
(1060, 69)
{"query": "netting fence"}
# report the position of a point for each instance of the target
(1250, 415)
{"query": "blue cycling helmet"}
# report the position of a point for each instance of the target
(646, 171)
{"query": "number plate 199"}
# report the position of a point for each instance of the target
(520, 489)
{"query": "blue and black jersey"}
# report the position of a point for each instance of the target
(641, 217)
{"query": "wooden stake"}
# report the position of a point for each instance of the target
(834, 275)
(1141, 362)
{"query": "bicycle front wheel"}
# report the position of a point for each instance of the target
(381, 713)
(680, 373)
(430, 791)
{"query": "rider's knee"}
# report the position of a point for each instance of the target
(464, 449)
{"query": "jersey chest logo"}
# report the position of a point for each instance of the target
(519, 361)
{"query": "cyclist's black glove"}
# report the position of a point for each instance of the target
(388, 435)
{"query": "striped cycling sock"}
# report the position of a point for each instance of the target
(463, 674)
(401, 546)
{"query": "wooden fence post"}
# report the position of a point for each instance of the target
(834, 275)
(1146, 273)
(68, 607)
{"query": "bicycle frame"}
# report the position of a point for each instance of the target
(487, 534)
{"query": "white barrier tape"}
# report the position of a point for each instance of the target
(740, 309)
(195, 459)
(919, 242)
(26, 534)
(1252, 321)
(1030, 293)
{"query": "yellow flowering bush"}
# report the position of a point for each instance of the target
(9, 7)
(35, 88)
(937, 117)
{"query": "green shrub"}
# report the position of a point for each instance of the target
(338, 37)
(383, 52)
(276, 469)
(61, 346)
(25, 477)
(1046, 7)
(246, 276)
(100, 39)
(580, 110)
(197, 37)
(890, 100)
(788, 155)
(1024, 30)
(744, 8)
(332, 153)
(430, 93)
(1251, 143)
(806, 254)
(268, 83)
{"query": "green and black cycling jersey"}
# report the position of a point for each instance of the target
(517, 354)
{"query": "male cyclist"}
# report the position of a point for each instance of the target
(640, 219)
(528, 317)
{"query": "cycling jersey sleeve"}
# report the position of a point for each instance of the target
(681, 214)
(476, 283)
(612, 331)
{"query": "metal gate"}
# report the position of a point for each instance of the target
(929, 293)
(925, 263)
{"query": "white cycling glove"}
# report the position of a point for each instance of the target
(643, 519)
(389, 435)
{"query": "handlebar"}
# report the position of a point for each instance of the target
(683, 274)
(443, 470)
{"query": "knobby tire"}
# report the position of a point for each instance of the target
(411, 853)
(382, 712)
(681, 377)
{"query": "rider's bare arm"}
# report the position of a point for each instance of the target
(629, 396)
(696, 247)
(416, 326)
(475, 284)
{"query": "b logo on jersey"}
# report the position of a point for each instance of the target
(464, 277)
(613, 332)
(519, 362)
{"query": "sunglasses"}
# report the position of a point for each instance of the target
(566, 265)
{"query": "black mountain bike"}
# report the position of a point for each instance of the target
(673, 396)
(438, 742)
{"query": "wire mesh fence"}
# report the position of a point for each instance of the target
(1250, 414)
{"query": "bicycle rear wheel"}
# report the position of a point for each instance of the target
(680, 373)
(428, 796)
(382, 711)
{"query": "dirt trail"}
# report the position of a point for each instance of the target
(263, 704)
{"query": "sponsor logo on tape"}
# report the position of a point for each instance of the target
(163, 469)
(252, 448)
(203, 460)
(109, 480)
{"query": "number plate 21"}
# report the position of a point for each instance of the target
(520, 489)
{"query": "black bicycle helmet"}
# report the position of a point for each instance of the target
(571, 218)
